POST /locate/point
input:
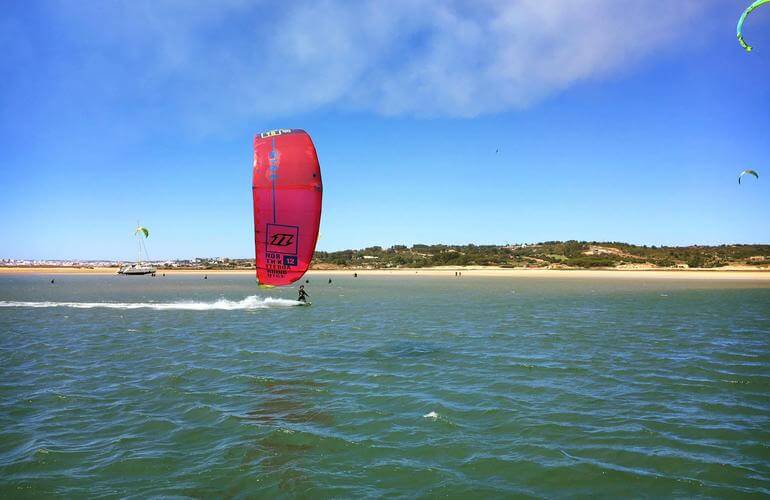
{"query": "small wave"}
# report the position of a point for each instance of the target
(251, 302)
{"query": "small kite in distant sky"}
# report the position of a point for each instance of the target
(747, 172)
(753, 6)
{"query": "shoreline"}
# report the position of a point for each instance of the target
(475, 271)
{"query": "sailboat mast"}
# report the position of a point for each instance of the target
(143, 248)
(139, 245)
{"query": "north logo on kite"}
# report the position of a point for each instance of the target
(282, 239)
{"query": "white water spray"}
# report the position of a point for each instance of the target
(249, 303)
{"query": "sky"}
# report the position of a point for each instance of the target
(485, 122)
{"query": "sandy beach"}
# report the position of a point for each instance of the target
(733, 273)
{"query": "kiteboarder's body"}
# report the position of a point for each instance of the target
(302, 294)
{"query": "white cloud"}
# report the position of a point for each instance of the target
(418, 58)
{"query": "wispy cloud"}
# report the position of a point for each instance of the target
(415, 58)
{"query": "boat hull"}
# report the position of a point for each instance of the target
(137, 270)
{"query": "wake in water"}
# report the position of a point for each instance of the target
(250, 302)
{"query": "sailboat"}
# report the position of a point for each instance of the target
(140, 267)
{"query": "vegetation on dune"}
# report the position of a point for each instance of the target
(549, 254)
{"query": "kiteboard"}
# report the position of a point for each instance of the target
(287, 193)
(304, 303)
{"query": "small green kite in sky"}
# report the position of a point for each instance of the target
(743, 18)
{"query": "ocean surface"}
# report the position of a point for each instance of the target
(115, 386)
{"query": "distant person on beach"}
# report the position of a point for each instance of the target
(302, 294)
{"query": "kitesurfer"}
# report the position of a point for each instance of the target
(330, 281)
(302, 294)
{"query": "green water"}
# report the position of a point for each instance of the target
(402, 386)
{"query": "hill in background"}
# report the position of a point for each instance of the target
(548, 255)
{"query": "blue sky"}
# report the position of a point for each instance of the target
(615, 120)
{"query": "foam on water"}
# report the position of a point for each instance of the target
(250, 302)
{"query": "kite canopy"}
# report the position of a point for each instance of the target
(748, 11)
(142, 230)
(287, 193)
(747, 172)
